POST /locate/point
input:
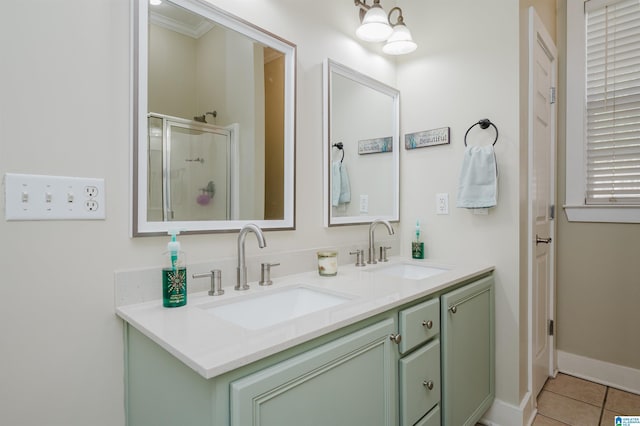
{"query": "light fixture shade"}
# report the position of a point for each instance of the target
(400, 42)
(375, 25)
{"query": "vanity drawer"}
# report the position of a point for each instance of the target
(431, 419)
(419, 383)
(418, 324)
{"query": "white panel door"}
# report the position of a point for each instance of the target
(542, 195)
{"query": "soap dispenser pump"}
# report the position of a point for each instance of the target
(174, 275)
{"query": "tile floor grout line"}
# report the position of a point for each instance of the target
(604, 403)
(578, 400)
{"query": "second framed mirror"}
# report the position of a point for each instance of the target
(361, 147)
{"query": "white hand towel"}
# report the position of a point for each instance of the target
(478, 187)
(345, 187)
(335, 183)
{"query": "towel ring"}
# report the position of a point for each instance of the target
(340, 146)
(484, 124)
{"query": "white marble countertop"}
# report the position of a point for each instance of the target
(212, 346)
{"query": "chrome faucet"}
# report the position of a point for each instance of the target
(242, 265)
(372, 248)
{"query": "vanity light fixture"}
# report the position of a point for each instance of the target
(374, 22)
(400, 41)
(376, 26)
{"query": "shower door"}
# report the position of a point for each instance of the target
(197, 172)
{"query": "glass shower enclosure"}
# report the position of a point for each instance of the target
(191, 170)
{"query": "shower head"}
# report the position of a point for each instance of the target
(200, 118)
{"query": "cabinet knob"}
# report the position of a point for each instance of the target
(395, 338)
(428, 384)
(428, 324)
(453, 309)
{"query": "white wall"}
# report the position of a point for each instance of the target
(64, 110)
(466, 69)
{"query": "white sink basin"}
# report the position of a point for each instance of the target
(410, 271)
(273, 307)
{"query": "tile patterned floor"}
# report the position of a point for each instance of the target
(568, 400)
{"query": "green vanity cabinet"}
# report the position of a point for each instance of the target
(347, 377)
(440, 372)
(468, 352)
(350, 381)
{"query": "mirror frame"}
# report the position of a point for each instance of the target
(332, 67)
(139, 105)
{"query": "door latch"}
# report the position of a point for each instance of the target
(542, 240)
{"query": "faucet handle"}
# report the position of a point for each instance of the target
(216, 281)
(383, 254)
(265, 273)
(359, 257)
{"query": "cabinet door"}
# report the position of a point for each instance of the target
(350, 381)
(468, 353)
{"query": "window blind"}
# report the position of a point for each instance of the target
(612, 102)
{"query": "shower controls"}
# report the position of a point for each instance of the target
(39, 197)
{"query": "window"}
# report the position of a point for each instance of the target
(603, 110)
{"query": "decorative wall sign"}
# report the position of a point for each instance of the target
(427, 138)
(374, 146)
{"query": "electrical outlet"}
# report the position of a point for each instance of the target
(91, 191)
(38, 197)
(442, 203)
(364, 204)
(91, 205)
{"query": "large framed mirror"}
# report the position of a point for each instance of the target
(361, 147)
(214, 121)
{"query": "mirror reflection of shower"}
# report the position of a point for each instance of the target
(203, 118)
(193, 170)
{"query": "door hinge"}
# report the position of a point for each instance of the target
(552, 95)
(550, 327)
(552, 211)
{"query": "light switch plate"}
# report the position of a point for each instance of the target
(39, 197)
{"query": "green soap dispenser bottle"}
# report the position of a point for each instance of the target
(417, 246)
(174, 275)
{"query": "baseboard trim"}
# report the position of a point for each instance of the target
(606, 373)
(504, 414)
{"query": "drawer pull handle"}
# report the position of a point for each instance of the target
(395, 338)
(453, 309)
(428, 384)
(428, 324)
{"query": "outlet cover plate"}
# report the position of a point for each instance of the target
(39, 197)
(442, 203)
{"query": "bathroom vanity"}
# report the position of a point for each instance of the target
(409, 343)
